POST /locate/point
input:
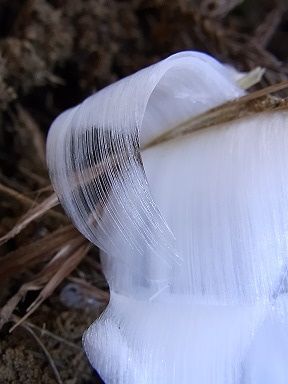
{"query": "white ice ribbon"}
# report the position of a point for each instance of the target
(193, 231)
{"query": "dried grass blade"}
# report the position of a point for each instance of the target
(46, 332)
(44, 276)
(64, 270)
(90, 290)
(45, 351)
(250, 103)
(37, 252)
(33, 214)
(35, 133)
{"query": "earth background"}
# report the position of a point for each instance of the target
(53, 54)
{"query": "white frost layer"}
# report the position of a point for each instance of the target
(217, 318)
(189, 342)
(224, 194)
(93, 155)
(194, 245)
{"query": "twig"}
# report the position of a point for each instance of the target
(91, 290)
(34, 213)
(63, 271)
(40, 180)
(252, 103)
(45, 351)
(43, 331)
(38, 251)
(28, 202)
(37, 138)
(267, 28)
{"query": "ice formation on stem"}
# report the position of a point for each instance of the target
(192, 231)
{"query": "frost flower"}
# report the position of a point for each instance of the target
(192, 227)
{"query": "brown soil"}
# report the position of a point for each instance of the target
(22, 359)
(53, 53)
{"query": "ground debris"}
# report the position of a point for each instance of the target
(53, 53)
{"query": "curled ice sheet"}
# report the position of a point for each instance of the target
(193, 231)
